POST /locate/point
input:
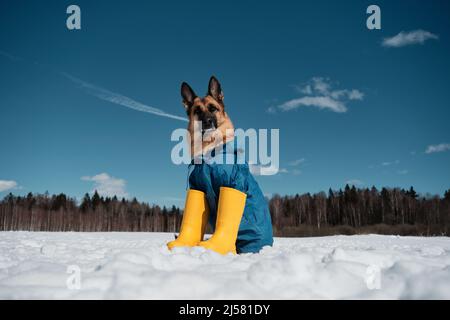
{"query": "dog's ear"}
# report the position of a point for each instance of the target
(188, 95)
(215, 90)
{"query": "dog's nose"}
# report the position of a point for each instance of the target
(208, 122)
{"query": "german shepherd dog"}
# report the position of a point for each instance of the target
(244, 210)
(216, 127)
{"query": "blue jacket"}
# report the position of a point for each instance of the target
(255, 229)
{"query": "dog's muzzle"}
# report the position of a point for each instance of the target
(208, 125)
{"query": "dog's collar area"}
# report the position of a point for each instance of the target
(209, 130)
(225, 153)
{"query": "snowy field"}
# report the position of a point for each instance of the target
(139, 266)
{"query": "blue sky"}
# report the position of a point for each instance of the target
(351, 104)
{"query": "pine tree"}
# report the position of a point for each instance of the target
(96, 200)
(447, 195)
(412, 193)
(85, 203)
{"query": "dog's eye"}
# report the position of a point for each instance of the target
(197, 111)
(212, 108)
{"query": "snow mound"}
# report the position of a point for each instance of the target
(139, 266)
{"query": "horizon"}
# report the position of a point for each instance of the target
(78, 200)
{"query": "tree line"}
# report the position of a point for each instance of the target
(354, 211)
(348, 211)
(42, 212)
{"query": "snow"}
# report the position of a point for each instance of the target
(139, 266)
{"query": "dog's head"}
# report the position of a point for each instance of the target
(209, 110)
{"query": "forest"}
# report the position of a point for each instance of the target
(349, 211)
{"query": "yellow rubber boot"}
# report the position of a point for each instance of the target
(195, 218)
(229, 214)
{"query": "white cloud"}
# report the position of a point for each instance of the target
(319, 102)
(355, 95)
(354, 182)
(259, 170)
(306, 90)
(7, 185)
(107, 186)
(321, 85)
(319, 93)
(409, 38)
(271, 110)
(438, 148)
(390, 163)
(297, 162)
